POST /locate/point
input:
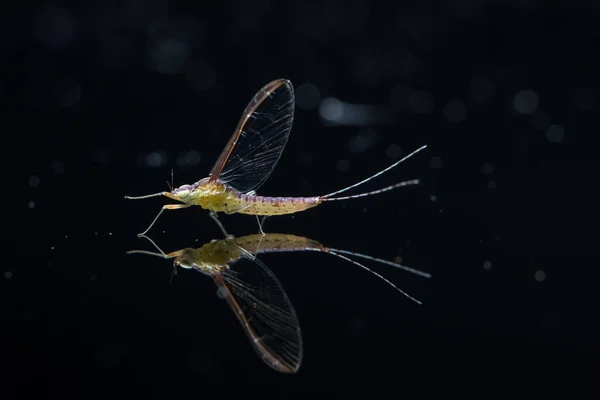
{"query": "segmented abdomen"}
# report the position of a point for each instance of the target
(261, 205)
(276, 243)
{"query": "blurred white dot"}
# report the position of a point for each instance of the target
(433, 197)
(103, 156)
(170, 56)
(436, 162)
(455, 111)
(31, 204)
(526, 102)
(68, 93)
(394, 151)
(154, 159)
(343, 165)
(192, 158)
(487, 168)
(34, 181)
(357, 144)
(361, 142)
(307, 96)
(54, 26)
(487, 264)
(555, 134)
(421, 102)
(331, 109)
(222, 293)
(540, 276)
(8, 274)
(57, 167)
(584, 99)
(481, 91)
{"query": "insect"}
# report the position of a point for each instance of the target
(254, 293)
(249, 158)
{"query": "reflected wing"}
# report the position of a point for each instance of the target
(265, 312)
(259, 138)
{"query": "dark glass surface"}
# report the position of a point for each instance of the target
(103, 100)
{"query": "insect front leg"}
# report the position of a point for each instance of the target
(165, 207)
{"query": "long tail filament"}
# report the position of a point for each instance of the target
(328, 197)
(337, 254)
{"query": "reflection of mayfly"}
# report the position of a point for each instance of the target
(254, 293)
(249, 158)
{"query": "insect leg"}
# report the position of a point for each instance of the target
(165, 207)
(260, 229)
(246, 253)
(262, 221)
(259, 242)
(215, 218)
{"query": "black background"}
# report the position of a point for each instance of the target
(503, 92)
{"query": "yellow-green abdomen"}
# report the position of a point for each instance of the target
(226, 202)
(276, 242)
(220, 198)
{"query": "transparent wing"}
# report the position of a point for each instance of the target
(265, 312)
(259, 138)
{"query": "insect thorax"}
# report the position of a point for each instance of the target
(220, 199)
(217, 254)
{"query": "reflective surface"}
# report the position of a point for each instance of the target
(105, 98)
(254, 293)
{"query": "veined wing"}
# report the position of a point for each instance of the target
(259, 138)
(265, 312)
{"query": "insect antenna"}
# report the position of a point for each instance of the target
(337, 252)
(328, 197)
(147, 196)
(170, 185)
(160, 253)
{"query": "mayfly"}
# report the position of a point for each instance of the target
(249, 158)
(254, 293)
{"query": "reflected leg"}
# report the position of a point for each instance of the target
(260, 229)
(262, 221)
(165, 207)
